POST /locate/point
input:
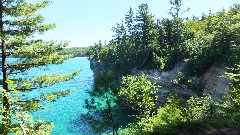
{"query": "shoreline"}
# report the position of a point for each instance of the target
(80, 57)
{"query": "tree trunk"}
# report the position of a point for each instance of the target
(6, 105)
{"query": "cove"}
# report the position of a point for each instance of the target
(65, 111)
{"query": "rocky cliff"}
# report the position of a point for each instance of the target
(213, 82)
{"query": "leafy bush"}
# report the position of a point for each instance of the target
(235, 88)
(171, 112)
(141, 94)
(181, 117)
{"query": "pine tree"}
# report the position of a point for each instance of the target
(122, 51)
(19, 23)
(146, 30)
(130, 26)
(174, 11)
(174, 34)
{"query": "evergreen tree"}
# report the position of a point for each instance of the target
(175, 11)
(176, 50)
(147, 34)
(129, 21)
(121, 49)
(19, 22)
(130, 27)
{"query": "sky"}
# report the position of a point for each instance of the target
(85, 22)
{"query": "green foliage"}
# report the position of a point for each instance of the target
(201, 107)
(196, 114)
(171, 113)
(134, 44)
(27, 84)
(140, 92)
(214, 43)
(196, 126)
(141, 43)
(184, 117)
(200, 61)
(23, 121)
(181, 117)
(20, 23)
(50, 79)
(54, 95)
(76, 51)
(103, 114)
(234, 75)
(140, 127)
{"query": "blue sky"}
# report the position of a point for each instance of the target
(84, 22)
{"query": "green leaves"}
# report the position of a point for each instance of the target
(171, 113)
(20, 22)
(54, 95)
(201, 107)
(234, 76)
(23, 8)
(141, 43)
(50, 79)
(76, 51)
(140, 92)
(135, 40)
(43, 80)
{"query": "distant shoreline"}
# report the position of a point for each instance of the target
(80, 57)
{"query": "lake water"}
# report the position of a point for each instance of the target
(65, 111)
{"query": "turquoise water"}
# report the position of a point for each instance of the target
(65, 111)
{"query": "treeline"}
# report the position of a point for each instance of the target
(143, 42)
(76, 51)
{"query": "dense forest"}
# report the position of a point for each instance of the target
(142, 42)
(76, 51)
(123, 102)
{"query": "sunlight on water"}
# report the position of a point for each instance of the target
(65, 112)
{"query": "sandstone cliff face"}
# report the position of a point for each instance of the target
(168, 82)
(213, 81)
(216, 83)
